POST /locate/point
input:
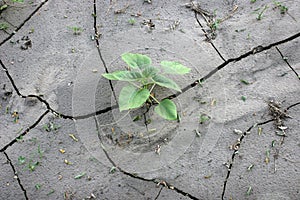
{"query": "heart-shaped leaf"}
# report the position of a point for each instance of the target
(166, 109)
(135, 61)
(132, 97)
(171, 67)
(165, 82)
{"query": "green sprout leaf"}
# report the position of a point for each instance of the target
(132, 97)
(21, 160)
(79, 176)
(165, 82)
(174, 67)
(135, 61)
(123, 76)
(166, 109)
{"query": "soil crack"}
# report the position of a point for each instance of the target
(237, 144)
(25, 132)
(158, 182)
(97, 36)
(287, 62)
(16, 175)
(24, 22)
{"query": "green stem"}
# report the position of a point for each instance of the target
(152, 87)
(154, 98)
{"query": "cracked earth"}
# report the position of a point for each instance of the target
(63, 137)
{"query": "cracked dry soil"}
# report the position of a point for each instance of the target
(62, 136)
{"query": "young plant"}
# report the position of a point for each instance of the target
(283, 9)
(76, 30)
(131, 21)
(260, 14)
(4, 26)
(141, 78)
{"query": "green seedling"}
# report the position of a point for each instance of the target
(260, 14)
(131, 21)
(32, 165)
(76, 30)
(50, 127)
(249, 191)
(21, 160)
(79, 176)
(38, 186)
(142, 77)
(4, 26)
(50, 192)
(20, 138)
(3, 7)
(252, 1)
(215, 24)
(18, 1)
(245, 82)
(204, 118)
(244, 98)
(112, 170)
(283, 9)
(31, 31)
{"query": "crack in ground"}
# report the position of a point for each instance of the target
(286, 61)
(158, 193)
(25, 132)
(16, 175)
(32, 95)
(255, 50)
(97, 36)
(24, 22)
(207, 38)
(158, 182)
(237, 145)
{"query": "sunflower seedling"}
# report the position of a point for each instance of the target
(142, 77)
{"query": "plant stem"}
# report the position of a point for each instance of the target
(154, 98)
(152, 87)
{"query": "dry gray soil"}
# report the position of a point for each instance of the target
(62, 135)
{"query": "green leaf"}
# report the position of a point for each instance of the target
(174, 67)
(123, 76)
(136, 60)
(79, 176)
(166, 109)
(3, 7)
(132, 97)
(150, 71)
(165, 82)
